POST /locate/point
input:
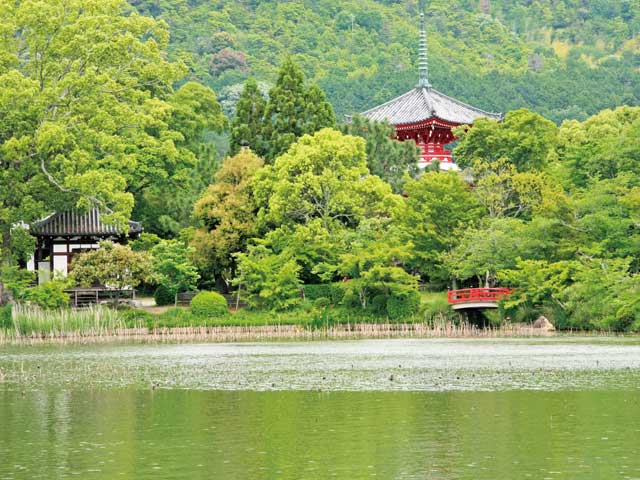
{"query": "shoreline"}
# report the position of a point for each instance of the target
(228, 334)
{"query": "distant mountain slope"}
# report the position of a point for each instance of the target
(562, 58)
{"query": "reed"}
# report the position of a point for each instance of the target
(114, 332)
(30, 321)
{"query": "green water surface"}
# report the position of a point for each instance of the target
(398, 409)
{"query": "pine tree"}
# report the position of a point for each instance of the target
(293, 110)
(247, 125)
(386, 157)
(319, 113)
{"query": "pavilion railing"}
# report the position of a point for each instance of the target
(469, 295)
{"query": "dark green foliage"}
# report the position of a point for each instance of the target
(387, 158)
(378, 305)
(247, 127)
(6, 320)
(209, 304)
(163, 295)
(402, 306)
(331, 291)
(321, 302)
(293, 110)
(562, 59)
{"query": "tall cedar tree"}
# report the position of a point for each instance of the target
(386, 157)
(294, 110)
(247, 125)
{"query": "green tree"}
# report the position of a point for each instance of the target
(86, 100)
(271, 281)
(227, 217)
(247, 124)
(438, 208)
(373, 265)
(525, 138)
(293, 110)
(324, 176)
(386, 157)
(173, 267)
(487, 250)
(603, 146)
(113, 266)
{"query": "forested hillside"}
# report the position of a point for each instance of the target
(561, 58)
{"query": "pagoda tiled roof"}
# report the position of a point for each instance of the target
(73, 223)
(423, 103)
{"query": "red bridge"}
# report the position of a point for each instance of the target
(477, 297)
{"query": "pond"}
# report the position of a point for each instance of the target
(557, 408)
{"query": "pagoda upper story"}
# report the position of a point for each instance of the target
(427, 116)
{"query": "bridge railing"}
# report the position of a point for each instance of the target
(469, 295)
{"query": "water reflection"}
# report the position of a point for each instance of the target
(454, 410)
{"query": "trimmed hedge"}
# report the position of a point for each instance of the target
(332, 291)
(209, 304)
(403, 306)
(164, 296)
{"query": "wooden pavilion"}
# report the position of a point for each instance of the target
(427, 116)
(62, 235)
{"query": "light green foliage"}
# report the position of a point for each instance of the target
(16, 280)
(387, 158)
(586, 294)
(271, 281)
(485, 250)
(247, 125)
(438, 208)
(324, 176)
(293, 110)
(22, 245)
(505, 192)
(49, 295)
(173, 267)
(89, 116)
(373, 265)
(145, 242)
(605, 223)
(524, 138)
(602, 147)
(112, 265)
(209, 304)
(226, 214)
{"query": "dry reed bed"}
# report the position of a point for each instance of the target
(277, 332)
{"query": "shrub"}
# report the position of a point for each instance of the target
(331, 291)
(164, 296)
(403, 306)
(321, 302)
(49, 295)
(378, 304)
(6, 320)
(209, 304)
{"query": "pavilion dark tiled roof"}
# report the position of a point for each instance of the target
(423, 103)
(74, 223)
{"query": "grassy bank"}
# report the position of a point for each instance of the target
(100, 324)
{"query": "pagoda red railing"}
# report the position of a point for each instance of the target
(469, 295)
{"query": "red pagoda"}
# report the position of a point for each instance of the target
(427, 116)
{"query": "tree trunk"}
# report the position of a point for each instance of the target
(175, 298)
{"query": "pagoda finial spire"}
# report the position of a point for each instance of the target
(423, 63)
